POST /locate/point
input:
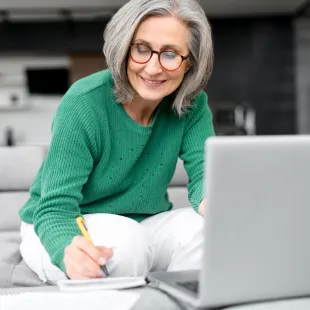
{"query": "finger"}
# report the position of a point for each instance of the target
(106, 253)
(76, 268)
(87, 247)
(82, 263)
(74, 275)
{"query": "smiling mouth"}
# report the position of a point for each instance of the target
(153, 82)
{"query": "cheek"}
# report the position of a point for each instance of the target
(131, 72)
(177, 78)
(132, 67)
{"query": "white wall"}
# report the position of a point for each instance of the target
(33, 125)
(302, 28)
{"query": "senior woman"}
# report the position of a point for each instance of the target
(116, 139)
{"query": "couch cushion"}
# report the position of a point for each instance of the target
(13, 270)
(18, 166)
(22, 275)
(180, 176)
(179, 197)
(9, 256)
(10, 203)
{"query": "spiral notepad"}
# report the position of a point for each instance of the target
(109, 283)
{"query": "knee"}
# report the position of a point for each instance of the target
(133, 255)
(131, 243)
(190, 226)
(188, 241)
(30, 250)
(36, 257)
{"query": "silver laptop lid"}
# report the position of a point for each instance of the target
(257, 233)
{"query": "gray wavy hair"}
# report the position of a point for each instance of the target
(121, 29)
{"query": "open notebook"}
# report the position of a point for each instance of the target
(95, 300)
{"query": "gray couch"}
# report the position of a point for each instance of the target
(18, 167)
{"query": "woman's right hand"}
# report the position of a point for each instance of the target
(82, 259)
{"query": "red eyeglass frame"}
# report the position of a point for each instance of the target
(158, 53)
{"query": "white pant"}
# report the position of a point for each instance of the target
(167, 241)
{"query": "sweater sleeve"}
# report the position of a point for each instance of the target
(66, 169)
(199, 127)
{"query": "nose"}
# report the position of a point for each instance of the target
(153, 65)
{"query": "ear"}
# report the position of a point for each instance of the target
(188, 66)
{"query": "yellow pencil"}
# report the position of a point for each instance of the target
(85, 233)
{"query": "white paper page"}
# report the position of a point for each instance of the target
(96, 300)
(100, 284)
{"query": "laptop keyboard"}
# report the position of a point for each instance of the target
(191, 285)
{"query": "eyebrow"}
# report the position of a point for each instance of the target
(164, 46)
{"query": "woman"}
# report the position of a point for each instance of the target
(117, 135)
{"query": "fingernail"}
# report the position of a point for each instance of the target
(102, 261)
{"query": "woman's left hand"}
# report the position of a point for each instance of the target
(201, 208)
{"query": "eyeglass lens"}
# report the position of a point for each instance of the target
(170, 60)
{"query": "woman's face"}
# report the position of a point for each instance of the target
(150, 80)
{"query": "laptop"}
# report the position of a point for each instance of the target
(257, 224)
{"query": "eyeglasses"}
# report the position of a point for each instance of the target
(169, 60)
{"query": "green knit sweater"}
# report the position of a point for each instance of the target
(102, 161)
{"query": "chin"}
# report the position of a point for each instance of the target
(151, 97)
